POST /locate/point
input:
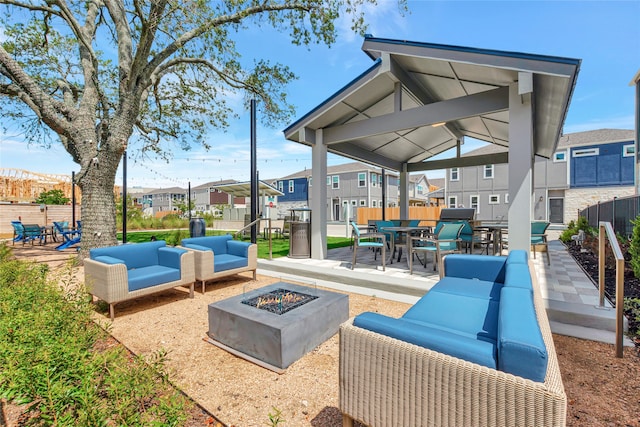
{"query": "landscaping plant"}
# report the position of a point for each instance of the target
(64, 367)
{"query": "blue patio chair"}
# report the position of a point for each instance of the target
(391, 236)
(539, 238)
(32, 232)
(446, 241)
(69, 237)
(373, 241)
(18, 231)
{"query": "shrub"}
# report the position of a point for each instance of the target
(176, 237)
(634, 247)
(574, 227)
(53, 357)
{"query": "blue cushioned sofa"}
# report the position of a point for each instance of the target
(119, 273)
(475, 350)
(219, 256)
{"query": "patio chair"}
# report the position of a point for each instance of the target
(18, 231)
(373, 241)
(538, 238)
(32, 232)
(446, 241)
(69, 237)
(392, 237)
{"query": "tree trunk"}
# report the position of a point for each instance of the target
(98, 204)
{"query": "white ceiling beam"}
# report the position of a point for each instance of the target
(356, 153)
(460, 162)
(453, 109)
(399, 73)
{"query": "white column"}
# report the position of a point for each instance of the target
(319, 198)
(404, 193)
(521, 159)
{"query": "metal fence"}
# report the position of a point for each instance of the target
(619, 212)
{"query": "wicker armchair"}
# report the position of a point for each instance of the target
(388, 382)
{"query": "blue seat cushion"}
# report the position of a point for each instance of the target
(476, 317)
(225, 262)
(425, 335)
(144, 277)
(521, 349)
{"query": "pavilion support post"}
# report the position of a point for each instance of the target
(319, 198)
(521, 160)
(404, 192)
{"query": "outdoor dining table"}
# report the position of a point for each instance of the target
(496, 230)
(408, 231)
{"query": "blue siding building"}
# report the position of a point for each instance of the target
(294, 189)
(603, 165)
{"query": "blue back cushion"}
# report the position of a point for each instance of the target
(134, 255)
(481, 267)
(217, 243)
(518, 256)
(519, 276)
(521, 349)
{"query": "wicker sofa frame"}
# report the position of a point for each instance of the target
(388, 382)
(204, 265)
(109, 283)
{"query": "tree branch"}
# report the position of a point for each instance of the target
(237, 17)
(45, 106)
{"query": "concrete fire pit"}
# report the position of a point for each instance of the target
(275, 340)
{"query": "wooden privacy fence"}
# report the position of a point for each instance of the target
(428, 214)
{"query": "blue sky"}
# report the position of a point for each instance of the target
(605, 35)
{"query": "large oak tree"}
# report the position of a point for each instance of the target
(98, 75)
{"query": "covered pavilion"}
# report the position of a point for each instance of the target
(419, 100)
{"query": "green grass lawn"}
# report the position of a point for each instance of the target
(279, 247)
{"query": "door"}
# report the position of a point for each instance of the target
(336, 211)
(556, 210)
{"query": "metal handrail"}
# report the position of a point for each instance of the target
(251, 224)
(605, 228)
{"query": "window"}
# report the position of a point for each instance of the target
(506, 198)
(363, 202)
(281, 186)
(628, 150)
(453, 201)
(420, 189)
(310, 181)
(494, 199)
(335, 182)
(374, 179)
(453, 174)
(362, 179)
(560, 156)
(474, 202)
(328, 180)
(586, 152)
(290, 186)
(354, 203)
(374, 204)
(488, 171)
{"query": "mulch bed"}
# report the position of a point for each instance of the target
(587, 258)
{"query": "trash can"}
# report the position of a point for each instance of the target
(197, 227)
(300, 233)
